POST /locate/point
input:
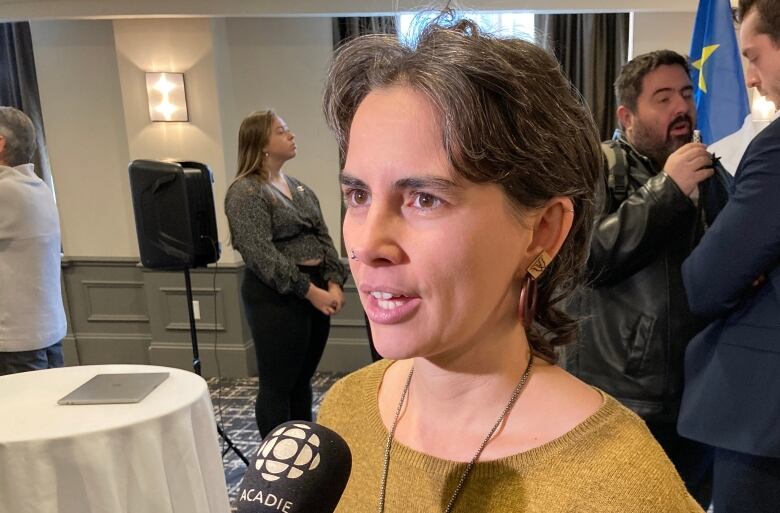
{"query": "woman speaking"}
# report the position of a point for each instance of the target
(469, 180)
(293, 278)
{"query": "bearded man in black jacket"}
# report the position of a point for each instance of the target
(661, 192)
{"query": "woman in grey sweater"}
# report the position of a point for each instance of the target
(293, 278)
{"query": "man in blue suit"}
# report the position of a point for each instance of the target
(732, 368)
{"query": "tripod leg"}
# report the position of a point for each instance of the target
(193, 330)
(196, 359)
(231, 446)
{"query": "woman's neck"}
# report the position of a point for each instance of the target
(452, 402)
(461, 387)
(274, 169)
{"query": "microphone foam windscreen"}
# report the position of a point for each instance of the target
(301, 467)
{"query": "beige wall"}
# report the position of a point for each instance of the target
(185, 46)
(658, 30)
(93, 94)
(281, 63)
(81, 102)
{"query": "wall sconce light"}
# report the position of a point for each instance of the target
(167, 97)
(762, 109)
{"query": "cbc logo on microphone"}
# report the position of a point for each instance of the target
(291, 451)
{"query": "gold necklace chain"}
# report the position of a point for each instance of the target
(389, 443)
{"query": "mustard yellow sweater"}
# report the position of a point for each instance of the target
(607, 464)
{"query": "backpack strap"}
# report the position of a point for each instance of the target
(617, 170)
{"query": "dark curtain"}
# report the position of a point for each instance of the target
(347, 28)
(591, 49)
(19, 85)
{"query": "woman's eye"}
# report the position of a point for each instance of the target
(425, 201)
(356, 197)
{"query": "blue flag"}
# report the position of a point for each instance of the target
(716, 71)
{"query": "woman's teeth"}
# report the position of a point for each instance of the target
(389, 305)
(384, 302)
(381, 295)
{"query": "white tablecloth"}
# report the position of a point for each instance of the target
(157, 456)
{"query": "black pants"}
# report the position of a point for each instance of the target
(744, 483)
(289, 336)
(692, 459)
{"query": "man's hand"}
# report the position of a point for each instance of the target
(688, 166)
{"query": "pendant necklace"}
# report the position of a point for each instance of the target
(459, 487)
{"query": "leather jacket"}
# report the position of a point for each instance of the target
(636, 321)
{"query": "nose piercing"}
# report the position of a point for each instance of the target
(354, 256)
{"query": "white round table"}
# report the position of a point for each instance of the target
(160, 455)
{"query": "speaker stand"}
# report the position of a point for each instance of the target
(196, 362)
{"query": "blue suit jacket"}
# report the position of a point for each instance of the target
(732, 368)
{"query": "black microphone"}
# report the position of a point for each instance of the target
(301, 467)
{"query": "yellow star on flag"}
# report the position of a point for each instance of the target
(706, 53)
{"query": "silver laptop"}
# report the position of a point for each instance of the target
(115, 388)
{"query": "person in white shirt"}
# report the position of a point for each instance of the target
(32, 315)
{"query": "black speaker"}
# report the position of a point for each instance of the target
(174, 214)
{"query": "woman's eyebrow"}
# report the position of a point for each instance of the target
(348, 180)
(426, 182)
(411, 182)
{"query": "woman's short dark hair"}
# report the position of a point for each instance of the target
(508, 117)
(769, 16)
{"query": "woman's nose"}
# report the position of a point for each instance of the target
(377, 238)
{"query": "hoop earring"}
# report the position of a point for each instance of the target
(527, 305)
(528, 302)
(354, 256)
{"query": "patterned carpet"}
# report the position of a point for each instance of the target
(234, 407)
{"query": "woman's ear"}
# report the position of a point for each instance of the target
(551, 227)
